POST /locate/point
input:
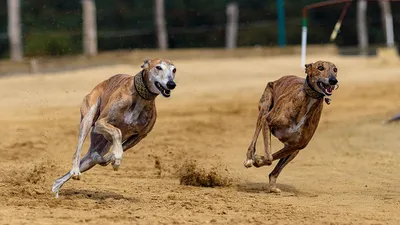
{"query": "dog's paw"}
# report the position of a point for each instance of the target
(75, 174)
(268, 160)
(116, 163)
(258, 161)
(275, 190)
(248, 163)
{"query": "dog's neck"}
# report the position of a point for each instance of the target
(310, 90)
(141, 87)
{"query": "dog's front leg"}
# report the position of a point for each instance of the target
(113, 134)
(252, 148)
(266, 160)
(264, 108)
(267, 144)
(85, 125)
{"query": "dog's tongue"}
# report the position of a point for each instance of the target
(329, 89)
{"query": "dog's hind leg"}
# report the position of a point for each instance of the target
(129, 143)
(85, 164)
(264, 107)
(278, 169)
(132, 141)
(99, 146)
(60, 182)
(85, 125)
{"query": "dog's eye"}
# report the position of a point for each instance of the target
(320, 68)
(174, 70)
(158, 67)
(335, 70)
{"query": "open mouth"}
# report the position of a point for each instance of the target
(325, 88)
(165, 92)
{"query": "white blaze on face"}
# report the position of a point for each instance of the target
(162, 73)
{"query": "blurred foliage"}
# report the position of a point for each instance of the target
(53, 27)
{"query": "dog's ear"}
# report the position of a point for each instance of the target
(146, 63)
(308, 68)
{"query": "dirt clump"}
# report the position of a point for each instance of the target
(190, 173)
(29, 181)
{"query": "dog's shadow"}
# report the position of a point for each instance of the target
(257, 187)
(95, 195)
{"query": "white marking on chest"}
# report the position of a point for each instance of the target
(298, 127)
(131, 117)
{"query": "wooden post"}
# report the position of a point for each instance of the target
(362, 29)
(89, 27)
(232, 13)
(161, 25)
(14, 30)
(387, 22)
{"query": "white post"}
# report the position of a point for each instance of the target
(389, 31)
(14, 29)
(362, 27)
(232, 13)
(89, 27)
(303, 45)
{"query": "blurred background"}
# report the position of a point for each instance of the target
(57, 27)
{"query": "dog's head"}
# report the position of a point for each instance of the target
(161, 75)
(322, 76)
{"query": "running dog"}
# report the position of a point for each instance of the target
(290, 108)
(121, 112)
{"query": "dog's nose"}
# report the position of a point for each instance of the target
(333, 80)
(171, 85)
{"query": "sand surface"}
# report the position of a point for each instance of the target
(348, 174)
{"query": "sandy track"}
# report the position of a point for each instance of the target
(347, 175)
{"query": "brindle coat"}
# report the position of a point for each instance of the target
(290, 108)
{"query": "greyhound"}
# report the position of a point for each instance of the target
(290, 108)
(121, 112)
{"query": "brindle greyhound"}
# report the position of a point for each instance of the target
(121, 112)
(290, 109)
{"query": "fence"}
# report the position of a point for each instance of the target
(259, 29)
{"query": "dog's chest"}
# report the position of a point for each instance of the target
(303, 127)
(137, 118)
(297, 127)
